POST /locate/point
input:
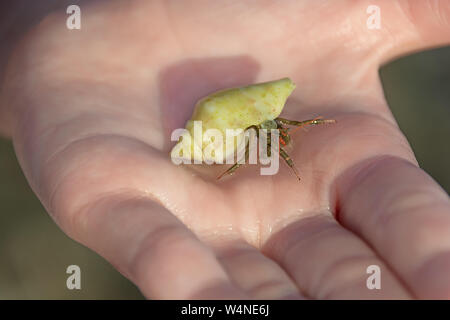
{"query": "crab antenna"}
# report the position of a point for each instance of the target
(314, 120)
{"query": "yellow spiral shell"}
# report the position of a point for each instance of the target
(235, 108)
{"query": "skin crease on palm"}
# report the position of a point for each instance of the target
(91, 112)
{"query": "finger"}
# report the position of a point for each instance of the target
(257, 275)
(414, 25)
(153, 249)
(329, 262)
(97, 188)
(405, 216)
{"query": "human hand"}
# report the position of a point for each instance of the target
(93, 110)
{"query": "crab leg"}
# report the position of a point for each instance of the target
(289, 161)
(303, 123)
(235, 166)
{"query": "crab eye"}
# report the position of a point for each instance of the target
(235, 109)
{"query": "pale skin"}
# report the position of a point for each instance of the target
(90, 114)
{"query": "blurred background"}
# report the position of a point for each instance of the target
(34, 253)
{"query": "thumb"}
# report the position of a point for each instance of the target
(415, 25)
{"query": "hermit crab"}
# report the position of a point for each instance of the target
(256, 107)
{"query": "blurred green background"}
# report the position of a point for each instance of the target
(34, 253)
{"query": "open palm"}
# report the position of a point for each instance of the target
(94, 109)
